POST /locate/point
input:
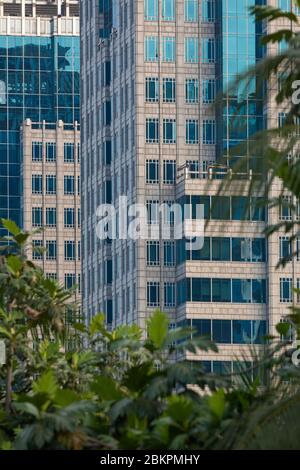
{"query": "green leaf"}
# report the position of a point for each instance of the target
(97, 324)
(11, 226)
(46, 384)
(283, 328)
(158, 326)
(216, 403)
(65, 397)
(28, 408)
(14, 264)
(106, 388)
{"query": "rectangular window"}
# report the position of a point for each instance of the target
(221, 290)
(208, 11)
(220, 249)
(68, 185)
(169, 253)
(70, 280)
(168, 10)
(222, 331)
(191, 50)
(152, 171)
(192, 131)
(50, 216)
(286, 208)
(169, 90)
(168, 49)
(37, 184)
(241, 290)
(51, 250)
(37, 217)
(69, 250)
(37, 151)
(153, 294)
(169, 295)
(169, 171)
(209, 132)
(191, 10)
(286, 294)
(192, 90)
(152, 130)
(152, 212)
(69, 152)
(285, 248)
(152, 253)
(241, 330)
(208, 51)
(69, 217)
(208, 91)
(169, 131)
(37, 249)
(151, 10)
(50, 151)
(151, 49)
(50, 184)
(151, 89)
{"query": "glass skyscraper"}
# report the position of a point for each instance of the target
(39, 80)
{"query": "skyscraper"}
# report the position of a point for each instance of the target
(151, 131)
(39, 127)
(39, 80)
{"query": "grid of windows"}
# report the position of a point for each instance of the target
(153, 294)
(169, 90)
(152, 171)
(153, 253)
(151, 89)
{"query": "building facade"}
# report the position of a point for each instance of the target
(153, 131)
(39, 80)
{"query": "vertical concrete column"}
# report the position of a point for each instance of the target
(60, 200)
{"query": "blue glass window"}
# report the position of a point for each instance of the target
(209, 132)
(286, 293)
(220, 249)
(208, 11)
(191, 54)
(202, 327)
(191, 10)
(50, 184)
(169, 171)
(192, 90)
(208, 91)
(169, 90)
(152, 130)
(37, 184)
(222, 331)
(168, 10)
(153, 253)
(169, 49)
(192, 131)
(201, 290)
(169, 253)
(151, 10)
(151, 89)
(51, 250)
(50, 151)
(241, 330)
(151, 49)
(51, 216)
(69, 217)
(153, 294)
(37, 151)
(69, 187)
(152, 171)
(169, 294)
(241, 290)
(68, 152)
(169, 131)
(37, 217)
(221, 290)
(208, 51)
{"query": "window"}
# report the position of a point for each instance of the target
(169, 253)
(51, 250)
(208, 11)
(68, 185)
(169, 90)
(191, 50)
(69, 217)
(153, 294)
(208, 51)
(37, 217)
(241, 331)
(222, 331)
(286, 208)
(68, 152)
(50, 151)
(169, 131)
(152, 130)
(151, 89)
(169, 171)
(50, 216)
(152, 212)
(220, 208)
(220, 249)
(209, 132)
(191, 10)
(192, 90)
(241, 290)
(70, 280)
(221, 290)
(169, 49)
(168, 10)
(152, 171)
(192, 131)
(151, 49)
(37, 184)
(37, 151)
(50, 184)
(285, 248)
(151, 10)
(169, 294)
(152, 253)
(208, 91)
(286, 289)
(69, 250)
(37, 249)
